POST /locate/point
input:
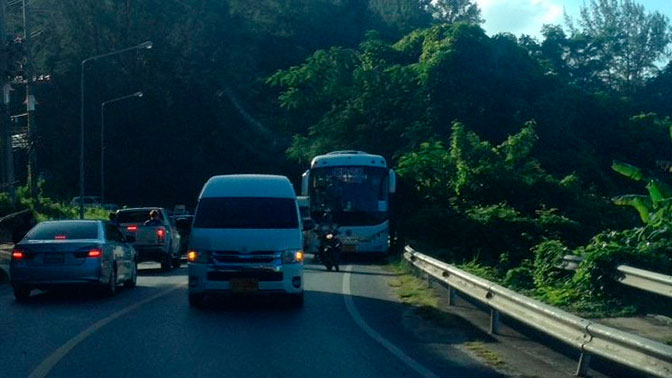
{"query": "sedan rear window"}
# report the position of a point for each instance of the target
(246, 212)
(65, 230)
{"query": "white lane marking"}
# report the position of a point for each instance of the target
(359, 320)
(45, 366)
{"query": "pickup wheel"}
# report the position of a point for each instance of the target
(166, 263)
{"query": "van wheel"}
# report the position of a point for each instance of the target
(296, 300)
(21, 293)
(196, 300)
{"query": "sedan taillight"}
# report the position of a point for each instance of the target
(95, 253)
(17, 254)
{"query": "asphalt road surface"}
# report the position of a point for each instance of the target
(350, 326)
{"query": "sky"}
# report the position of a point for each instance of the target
(528, 16)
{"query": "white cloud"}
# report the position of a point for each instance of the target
(519, 16)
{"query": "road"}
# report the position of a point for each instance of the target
(151, 331)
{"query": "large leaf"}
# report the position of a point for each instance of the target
(642, 204)
(658, 191)
(628, 170)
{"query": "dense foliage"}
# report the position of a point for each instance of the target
(504, 144)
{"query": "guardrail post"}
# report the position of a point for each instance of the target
(451, 296)
(584, 363)
(494, 321)
(429, 280)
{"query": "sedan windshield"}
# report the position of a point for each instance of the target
(246, 212)
(64, 230)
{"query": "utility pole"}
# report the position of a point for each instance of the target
(5, 122)
(30, 103)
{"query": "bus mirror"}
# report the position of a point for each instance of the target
(305, 180)
(393, 182)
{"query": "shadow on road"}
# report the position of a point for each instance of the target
(71, 295)
(321, 268)
(155, 271)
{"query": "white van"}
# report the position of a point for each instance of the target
(246, 238)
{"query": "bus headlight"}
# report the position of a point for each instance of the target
(292, 257)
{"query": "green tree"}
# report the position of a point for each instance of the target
(452, 11)
(629, 40)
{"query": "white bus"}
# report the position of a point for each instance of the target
(354, 187)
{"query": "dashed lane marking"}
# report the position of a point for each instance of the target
(350, 305)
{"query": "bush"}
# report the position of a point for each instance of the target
(642, 248)
(547, 257)
(519, 278)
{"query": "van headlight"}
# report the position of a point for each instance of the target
(196, 256)
(292, 257)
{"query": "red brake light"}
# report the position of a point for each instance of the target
(161, 233)
(17, 254)
(132, 228)
(95, 253)
(60, 237)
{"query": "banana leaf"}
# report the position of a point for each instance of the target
(628, 170)
(658, 191)
(642, 204)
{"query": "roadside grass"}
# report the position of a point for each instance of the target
(485, 354)
(415, 292)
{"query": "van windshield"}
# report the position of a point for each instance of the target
(246, 212)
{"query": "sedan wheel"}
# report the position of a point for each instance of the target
(21, 293)
(166, 263)
(132, 282)
(111, 287)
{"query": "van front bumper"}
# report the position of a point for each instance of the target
(266, 279)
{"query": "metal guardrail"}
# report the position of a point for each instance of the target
(585, 335)
(645, 280)
(639, 278)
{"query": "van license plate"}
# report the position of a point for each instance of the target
(349, 248)
(244, 285)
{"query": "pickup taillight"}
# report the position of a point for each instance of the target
(161, 235)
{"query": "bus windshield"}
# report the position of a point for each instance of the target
(354, 195)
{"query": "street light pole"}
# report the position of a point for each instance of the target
(102, 140)
(144, 45)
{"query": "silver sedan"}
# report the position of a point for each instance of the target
(72, 252)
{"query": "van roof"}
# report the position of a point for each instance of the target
(268, 186)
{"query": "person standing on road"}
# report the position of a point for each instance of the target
(154, 219)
